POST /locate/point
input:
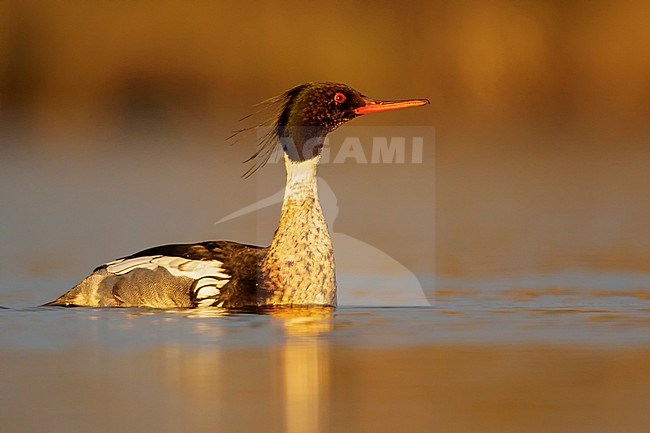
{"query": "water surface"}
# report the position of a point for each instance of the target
(488, 355)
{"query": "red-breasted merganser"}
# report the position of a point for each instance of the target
(298, 267)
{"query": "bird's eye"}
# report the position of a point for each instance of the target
(339, 98)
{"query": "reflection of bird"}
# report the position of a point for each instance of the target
(366, 275)
(298, 267)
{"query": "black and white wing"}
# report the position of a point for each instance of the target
(200, 281)
(219, 274)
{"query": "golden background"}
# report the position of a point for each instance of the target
(540, 111)
(113, 119)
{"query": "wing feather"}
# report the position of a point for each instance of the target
(209, 275)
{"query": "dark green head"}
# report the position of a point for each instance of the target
(313, 110)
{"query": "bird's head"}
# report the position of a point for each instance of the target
(313, 110)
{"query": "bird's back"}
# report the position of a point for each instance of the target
(214, 273)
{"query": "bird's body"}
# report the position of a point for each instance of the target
(296, 269)
(181, 275)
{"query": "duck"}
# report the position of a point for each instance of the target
(297, 269)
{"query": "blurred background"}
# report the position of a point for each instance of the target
(113, 117)
(113, 124)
